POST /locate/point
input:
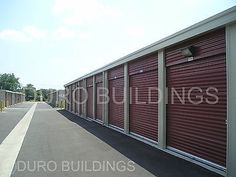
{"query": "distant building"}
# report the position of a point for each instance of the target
(8, 98)
(56, 98)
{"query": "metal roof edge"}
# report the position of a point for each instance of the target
(52, 92)
(8, 91)
(221, 19)
(56, 91)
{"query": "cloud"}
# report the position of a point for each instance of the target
(64, 33)
(26, 34)
(34, 32)
(83, 11)
(9, 34)
(30, 33)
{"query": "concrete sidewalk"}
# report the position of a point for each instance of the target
(11, 116)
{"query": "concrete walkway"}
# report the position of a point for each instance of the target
(10, 117)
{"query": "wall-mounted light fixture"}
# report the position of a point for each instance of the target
(188, 52)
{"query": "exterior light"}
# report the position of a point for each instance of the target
(188, 52)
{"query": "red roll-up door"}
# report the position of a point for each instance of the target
(90, 97)
(116, 94)
(76, 98)
(144, 97)
(67, 98)
(10, 99)
(196, 121)
(90, 102)
(81, 97)
(99, 105)
(6, 99)
(70, 98)
(73, 98)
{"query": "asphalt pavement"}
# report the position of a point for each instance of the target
(60, 144)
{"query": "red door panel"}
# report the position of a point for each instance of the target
(198, 129)
(116, 94)
(144, 96)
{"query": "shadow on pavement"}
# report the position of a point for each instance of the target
(153, 160)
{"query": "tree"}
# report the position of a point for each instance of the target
(30, 92)
(9, 82)
(45, 93)
(38, 95)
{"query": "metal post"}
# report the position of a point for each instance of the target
(126, 99)
(162, 103)
(105, 105)
(231, 99)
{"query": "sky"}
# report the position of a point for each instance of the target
(49, 43)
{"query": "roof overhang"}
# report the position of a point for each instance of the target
(217, 21)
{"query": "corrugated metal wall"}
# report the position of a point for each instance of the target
(116, 94)
(18, 99)
(70, 98)
(13, 98)
(198, 129)
(76, 98)
(143, 106)
(81, 98)
(2, 95)
(73, 97)
(67, 98)
(8, 98)
(99, 106)
(192, 129)
(90, 97)
(57, 99)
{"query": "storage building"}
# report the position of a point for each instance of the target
(177, 94)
